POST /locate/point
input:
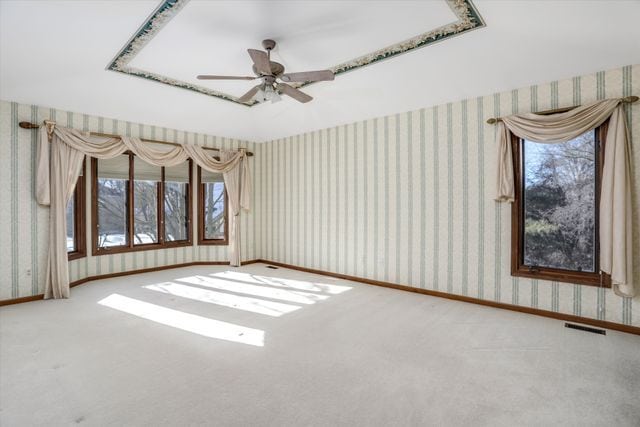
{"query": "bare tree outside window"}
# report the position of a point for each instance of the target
(175, 210)
(112, 212)
(145, 212)
(145, 202)
(140, 206)
(560, 204)
(214, 217)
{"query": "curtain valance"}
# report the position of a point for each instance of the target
(60, 154)
(615, 198)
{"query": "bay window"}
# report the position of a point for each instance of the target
(139, 206)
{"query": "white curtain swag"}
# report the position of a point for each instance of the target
(59, 160)
(616, 255)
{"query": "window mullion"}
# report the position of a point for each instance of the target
(161, 228)
(190, 204)
(130, 202)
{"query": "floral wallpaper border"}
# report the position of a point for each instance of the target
(468, 19)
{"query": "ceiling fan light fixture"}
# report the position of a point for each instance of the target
(275, 97)
(259, 96)
(267, 93)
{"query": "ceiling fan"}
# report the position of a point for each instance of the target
(270, 72)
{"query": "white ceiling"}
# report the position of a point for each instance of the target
(54, 54)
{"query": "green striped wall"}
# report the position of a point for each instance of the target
(405, 198)
(408, 199)
(24, 224)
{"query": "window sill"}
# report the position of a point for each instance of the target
(565, 276)
(137, 248)
(213, 242)
(71, 256)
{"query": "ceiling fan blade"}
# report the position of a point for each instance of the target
(294, 93)
(261, 61)
(247, 96)
(210, 77)
(308, 76)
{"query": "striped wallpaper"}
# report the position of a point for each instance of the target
(24, 224)
(405, 198)
(408, 199)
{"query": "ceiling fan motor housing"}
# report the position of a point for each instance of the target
(276, 69)
(268, 44)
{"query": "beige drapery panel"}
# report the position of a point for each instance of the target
(59, 164)
(67, 162)
(232, 183)
(615, 232)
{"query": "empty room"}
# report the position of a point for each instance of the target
(319, 213)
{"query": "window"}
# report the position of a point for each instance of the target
(112, 189)
(176, 202)
(76, 243)
(213, 225)
(147, 180)
(131, 201)
(555, 213)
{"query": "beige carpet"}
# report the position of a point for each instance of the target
(256, 346)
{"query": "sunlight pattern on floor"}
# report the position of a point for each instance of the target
(185, 321)
(222, 289)
(282, 282)
(254, 305)
(298, 297)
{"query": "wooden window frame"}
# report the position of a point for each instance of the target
(131, 246)
(79, 224)
(518, 268)
(201, 204)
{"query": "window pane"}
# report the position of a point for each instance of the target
(175, 211)
(214, 210)
(71, 220)
(113, 181)
(145, 202)
(176, 196)
(559, 204)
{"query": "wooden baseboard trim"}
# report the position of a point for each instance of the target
(151, 269)
(121, 273)
(528, 310)
(21, 299)
(535, 311)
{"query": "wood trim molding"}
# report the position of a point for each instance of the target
(21, 300)
(121, 273)
(535, 311)
(635, 330)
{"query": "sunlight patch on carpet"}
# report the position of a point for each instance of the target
(282, 282)
(254, 305)
(187, 322)
(298, 297)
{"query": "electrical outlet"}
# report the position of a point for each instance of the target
(28, 272)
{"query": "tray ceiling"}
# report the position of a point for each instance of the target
(55, 53)
(181, 38)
